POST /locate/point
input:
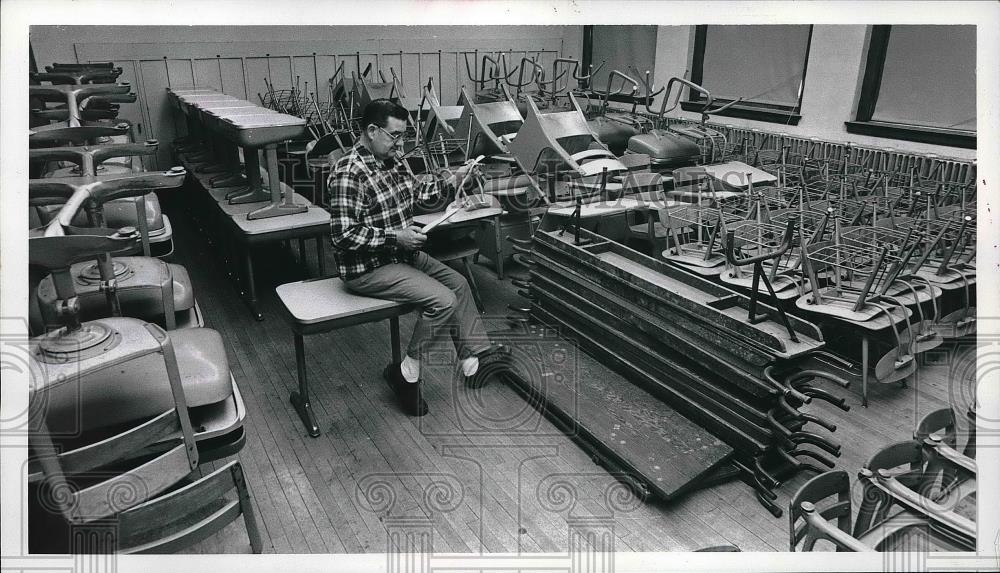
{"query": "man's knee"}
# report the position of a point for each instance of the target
(462, 285)
(443, 303)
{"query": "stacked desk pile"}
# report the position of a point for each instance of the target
(248, 205)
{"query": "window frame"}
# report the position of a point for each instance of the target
(863, 124)
(771, 113)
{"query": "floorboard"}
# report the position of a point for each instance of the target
(307, 493)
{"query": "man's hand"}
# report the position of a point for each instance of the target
(410, 238)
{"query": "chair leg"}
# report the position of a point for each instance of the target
(472, 284)
(249, 518)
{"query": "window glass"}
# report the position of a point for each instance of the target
(762, 64)
(621, 47)
(929, 77)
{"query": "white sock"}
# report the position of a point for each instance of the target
(470, 365)
(411, 369)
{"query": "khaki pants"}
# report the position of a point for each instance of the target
(442, 294)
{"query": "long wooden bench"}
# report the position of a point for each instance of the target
(322, 305)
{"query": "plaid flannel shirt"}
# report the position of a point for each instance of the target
(369, 201)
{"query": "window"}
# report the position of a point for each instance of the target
(920, 85)
(620, 48)
(764, 65)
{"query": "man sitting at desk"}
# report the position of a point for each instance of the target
(370, 197)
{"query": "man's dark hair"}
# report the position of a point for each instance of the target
(379, 111)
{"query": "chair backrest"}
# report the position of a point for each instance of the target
(818, 492)
(941, 422)
(189, 514)
(482, 125)
(440, 119)
(82, 486)
(902, 459)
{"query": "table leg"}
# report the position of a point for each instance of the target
(498, 245)
(229, 255)
(321, 255)
(300, 399)
(251, 288)
(864, 371)
(302, 253)
(397, 353)
(473, 286)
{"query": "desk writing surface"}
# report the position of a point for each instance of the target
(241, 209)
(509, 192)
(314, 217)
(604, 208)
(322, 300)
(731, 173)
(460, 217)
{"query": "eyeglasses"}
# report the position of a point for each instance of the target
(393, 137)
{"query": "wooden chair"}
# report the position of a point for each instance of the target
(905, 462)
(947, 468)
(804, 503)
(92, 484)
(810, 517)
(940, 422)
(190, 514)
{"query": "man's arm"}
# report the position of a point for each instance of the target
(346, 208)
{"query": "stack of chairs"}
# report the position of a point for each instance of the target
(916, 495)
(130, 391)
(70, 96)
(885, 247)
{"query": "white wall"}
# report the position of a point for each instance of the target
(833, 79)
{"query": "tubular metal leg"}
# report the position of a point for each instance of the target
(321, 255)
(498, 247)
(300, 399)
(251, 288)
(864, 371)
(472, 285)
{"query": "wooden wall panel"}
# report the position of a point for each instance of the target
(206, 73)
(427, 67)
(304, 69)
(231, 77)
(326, 66)
(240, 68)
(256, 72)
(180, 72)
(160, 116)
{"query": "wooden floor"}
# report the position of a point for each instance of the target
(464, 473)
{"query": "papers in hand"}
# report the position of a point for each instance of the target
(451, 210)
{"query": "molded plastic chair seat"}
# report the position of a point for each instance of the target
(120, 213)
(113, 396)
(666, 150)
(140, 291)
